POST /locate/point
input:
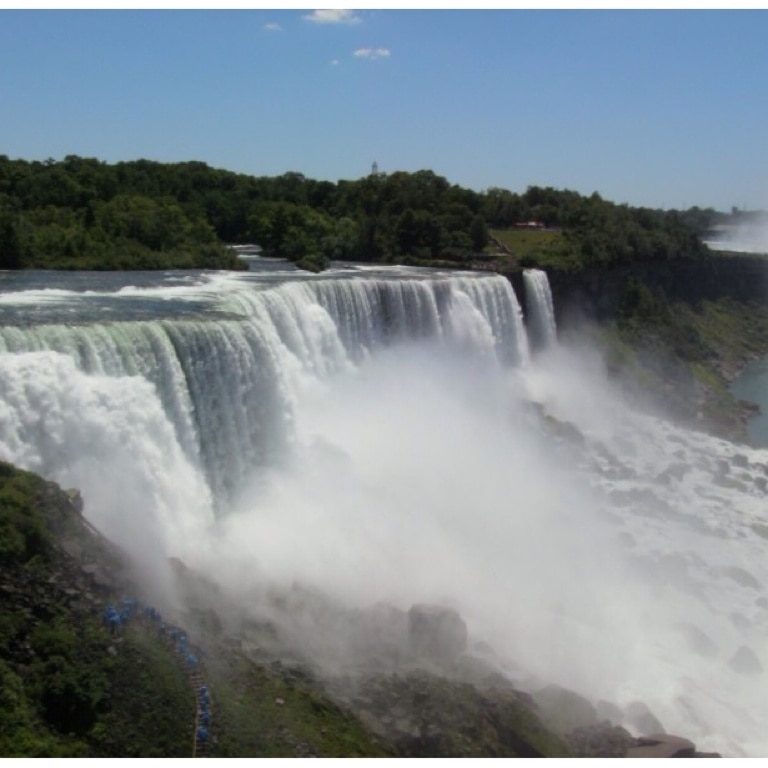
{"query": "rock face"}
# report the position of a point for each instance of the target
(607, 710)
(597, 291)
(436, 633)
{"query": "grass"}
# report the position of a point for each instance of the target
(535, 248)
(269, 712)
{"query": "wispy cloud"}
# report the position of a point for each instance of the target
(372, 53)
(273, 28)
(334, 62)
(333, 16)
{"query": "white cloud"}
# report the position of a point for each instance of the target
(273, 28)
(371, 53)
(335, 62)
(333, 16)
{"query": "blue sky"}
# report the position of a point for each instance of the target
(658, 108)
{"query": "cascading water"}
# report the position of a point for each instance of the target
(541, 309)
(228, 380)
(383, 436)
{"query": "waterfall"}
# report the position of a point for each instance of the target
(228, 381)
(538, 298)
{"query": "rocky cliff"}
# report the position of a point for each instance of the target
(597, 292)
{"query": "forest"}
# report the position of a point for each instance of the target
(82, 213)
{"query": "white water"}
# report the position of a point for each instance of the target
(540, 307)
(373, 438)
(746, 238)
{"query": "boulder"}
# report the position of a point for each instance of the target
(601, 740)
(607, 710)
(563, 711)
(662, 745)
(639, 718)
(436, 633)
(75, 499)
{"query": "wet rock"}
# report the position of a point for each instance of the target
(639, 717)
(100, 577)
(601, 740)
(662, 745)
(436, 633)
(674, 472)
(75, 499)
(633, 496)
(72, 548)
(563, 711)
(745, 662)
(729, 482)
(609, 711)
(383, 628)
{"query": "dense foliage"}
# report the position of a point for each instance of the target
(67, 687)
(83, 213)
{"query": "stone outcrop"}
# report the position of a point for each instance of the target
(662, 745)
(597, 292)
(564, 711)
(639, 717)
(436, 633)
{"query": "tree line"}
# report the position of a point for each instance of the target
(82, 213)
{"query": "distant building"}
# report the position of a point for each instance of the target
(529, 225)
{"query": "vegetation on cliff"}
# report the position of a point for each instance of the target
(683, 356)
(69, 688)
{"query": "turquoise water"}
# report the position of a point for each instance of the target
(752, 385)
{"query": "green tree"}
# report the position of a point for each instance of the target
(10, 244)
(478, 233)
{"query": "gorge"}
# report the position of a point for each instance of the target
(400, 436)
